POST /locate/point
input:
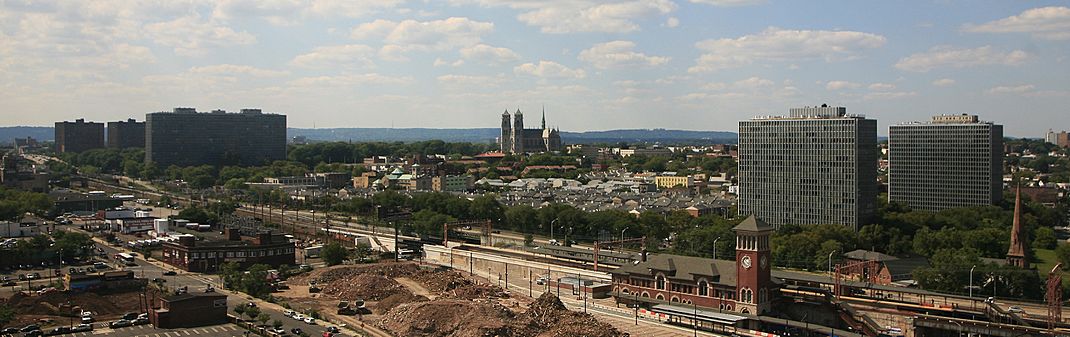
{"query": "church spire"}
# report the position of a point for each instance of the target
(544, 116)
(1016, 253)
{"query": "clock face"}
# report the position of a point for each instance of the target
(746, 262)
(764, 262)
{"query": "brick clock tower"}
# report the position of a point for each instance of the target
(754, 286)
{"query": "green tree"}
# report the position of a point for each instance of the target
(1044, 238)
(239, 310)
(277, 324)
(333, 253)
(1062, 253)
(263, 318)
(361, 252)
(252, 312)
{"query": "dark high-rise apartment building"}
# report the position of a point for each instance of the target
(126, 134)
(817, 166)
(79, 136)
(950, 161)
(185, 137)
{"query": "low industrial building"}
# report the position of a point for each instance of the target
(115, 281)
(189, 310)
(66, 202)
(246, 249)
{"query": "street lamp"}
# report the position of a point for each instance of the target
(552, 228)
(622, 233)
(830, 260)
(971, 282)
(715, 247)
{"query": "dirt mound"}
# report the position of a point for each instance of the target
(476, 291)
(395, 300)
(441, 280)
(58, 303)
(341, 273)
(454, 318)
(368, 287)
(550, 317)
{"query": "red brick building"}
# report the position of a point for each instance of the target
(743, 286)
(263, 247)
(189, 310)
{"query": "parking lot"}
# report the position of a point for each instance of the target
(149, 331)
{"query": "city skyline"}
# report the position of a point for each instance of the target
(693, 65)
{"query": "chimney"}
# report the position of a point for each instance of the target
(233, 234)
(263, 238)
(642, 255)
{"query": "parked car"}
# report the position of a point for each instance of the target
(30, 327)
(170, 273)
(10, 283)
(82, 328)
(296, 331)
(141, 321)
(310, 320)
(122, 323)
(59, 330)
(333, 329)
(130, 316)
(9, 330)
(1015, 309)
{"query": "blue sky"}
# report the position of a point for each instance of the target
(596, 65)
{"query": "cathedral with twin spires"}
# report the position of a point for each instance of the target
(516, 139)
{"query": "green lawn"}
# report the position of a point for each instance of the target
(1045, 261)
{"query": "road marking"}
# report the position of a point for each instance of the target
(186, 331)
(214, 330)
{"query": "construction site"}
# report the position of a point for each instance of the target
(62, 307)
(409, 299)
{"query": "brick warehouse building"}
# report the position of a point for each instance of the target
(189, 310)
(263, 247)
(744, 285)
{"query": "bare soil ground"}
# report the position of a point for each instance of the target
(60, 307)
(409, 300)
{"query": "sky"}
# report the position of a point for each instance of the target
(593, 65)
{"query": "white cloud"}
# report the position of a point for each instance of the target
(291, 12)
(351, 55)
(393, 52)
(619, 54)
(549, 69)
(191, 36)
(889, 95)
(231, 69)
(672, 22)
(489, 54)
(775, 44)
(571, 16)
(950, 57)
(348, 80)
(729, 3)
(399, 38)
(1016, 89)
(470, 81)
(882, 87)
(752, 83)
(841, 85)
(944, 82)
(1049, 23)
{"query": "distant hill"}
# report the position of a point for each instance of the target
(40, 133)
(486, 135)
